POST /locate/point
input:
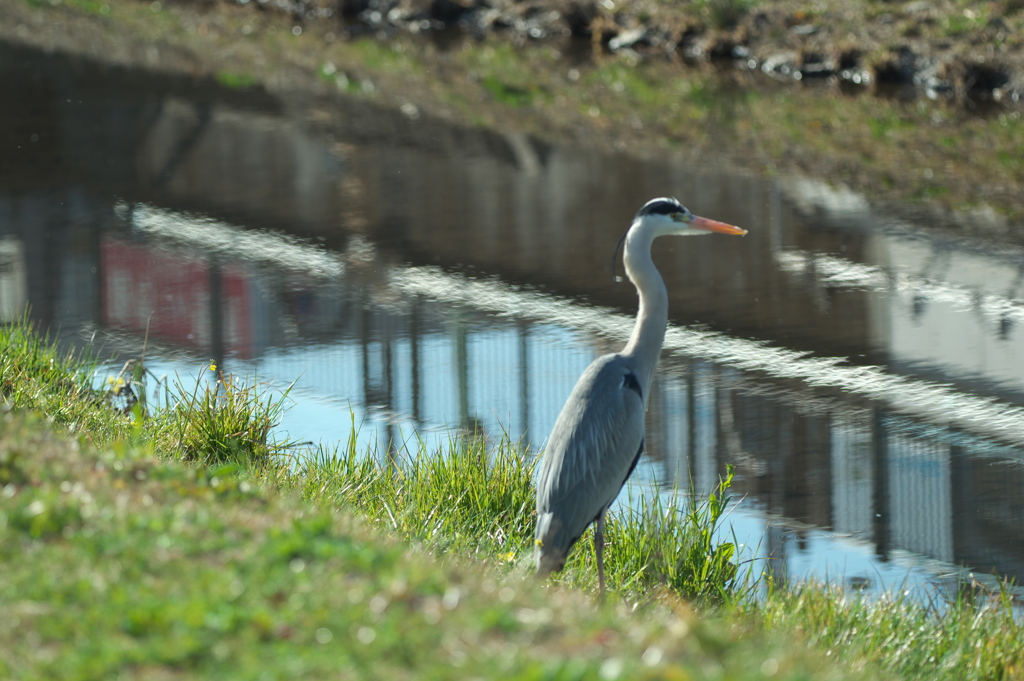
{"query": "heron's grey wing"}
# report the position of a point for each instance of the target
(592, 450)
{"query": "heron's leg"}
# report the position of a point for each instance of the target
(599, 550)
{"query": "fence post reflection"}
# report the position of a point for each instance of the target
(881, 496)
(414, 350)
(523, 333)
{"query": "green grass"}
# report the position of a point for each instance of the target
(507, 94)
(119, 556)
(959, 640)
(229, 421)
(162, 570)
(965, 21)
(469, 498)
(35, 376)
(474, 500)
(117, 561)
(1010, 160)
(665, 545)
(235, 81)
(724, 14)
(377, 55)
(90, 6)
(462, 499)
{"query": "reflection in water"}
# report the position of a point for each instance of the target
(434, 282)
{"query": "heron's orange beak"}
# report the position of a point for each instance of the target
(715, 226)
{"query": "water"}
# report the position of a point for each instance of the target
(864, 374)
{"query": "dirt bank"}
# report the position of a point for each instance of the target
(911, 104)
(947, 49)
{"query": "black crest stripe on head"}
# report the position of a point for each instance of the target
(664, 206)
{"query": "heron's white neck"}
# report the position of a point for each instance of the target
(644, 346)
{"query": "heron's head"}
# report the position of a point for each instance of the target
(667, 216)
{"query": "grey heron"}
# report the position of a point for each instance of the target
(599, 435)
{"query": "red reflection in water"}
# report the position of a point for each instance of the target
(173, 295)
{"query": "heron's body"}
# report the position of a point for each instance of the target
(599, 435)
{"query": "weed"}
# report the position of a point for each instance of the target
(229, 421)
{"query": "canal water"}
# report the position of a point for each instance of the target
(410, 278)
